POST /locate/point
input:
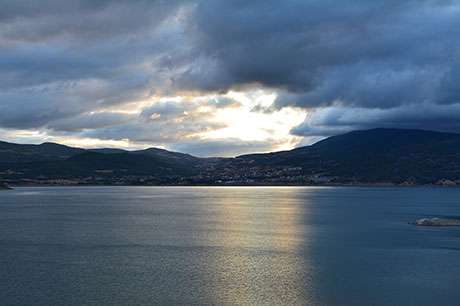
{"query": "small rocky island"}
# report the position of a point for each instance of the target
(437, 222)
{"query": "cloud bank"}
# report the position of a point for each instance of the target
(166, 72)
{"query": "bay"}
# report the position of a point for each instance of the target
(227, 246)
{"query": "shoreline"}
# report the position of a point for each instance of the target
(363, 185)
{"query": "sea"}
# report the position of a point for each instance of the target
(133, 246)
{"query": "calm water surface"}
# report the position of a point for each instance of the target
(227, 246)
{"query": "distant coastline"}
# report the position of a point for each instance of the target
(364, 185)
(375, 158)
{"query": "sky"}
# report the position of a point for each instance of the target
(225, 77)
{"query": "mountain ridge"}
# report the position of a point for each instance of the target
(376, 156)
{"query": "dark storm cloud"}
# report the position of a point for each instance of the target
(356, 54)
(363, 53)
(339, 119)
(351, 64)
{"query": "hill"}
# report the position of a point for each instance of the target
(377, 156)
(372, 156)
(20, 153)
(58, 164)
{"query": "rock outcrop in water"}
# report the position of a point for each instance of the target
(437, 222)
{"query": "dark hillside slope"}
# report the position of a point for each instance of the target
(18, 153)
(378, 155)
(371, 156)
(51, 162)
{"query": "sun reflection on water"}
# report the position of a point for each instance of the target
(262, 259)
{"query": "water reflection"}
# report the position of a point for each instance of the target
(262, 235)
(227, 246)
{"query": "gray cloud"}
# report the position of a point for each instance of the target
(366, 53)
(80, 21)
(61, 59)
(339, 119)
(162, 123)
(351, 64)
(221, 148)
(90, 121)
(402, 56)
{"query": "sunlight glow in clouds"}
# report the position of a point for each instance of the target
(230, 116)
(248, 125)
(224, 77)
